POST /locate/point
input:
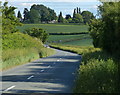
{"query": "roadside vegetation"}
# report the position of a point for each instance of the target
(98, 72)
(19, 48)
(99, 69)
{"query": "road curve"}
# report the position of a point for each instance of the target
(53, 74)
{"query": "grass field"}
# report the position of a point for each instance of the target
(83, 42)
(78, 39)
(57, 28)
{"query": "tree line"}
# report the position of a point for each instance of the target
(42, 14)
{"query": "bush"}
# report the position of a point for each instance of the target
(97, 76)
(38, 33)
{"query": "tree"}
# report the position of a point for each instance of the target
(74, 13)
(79, 11)
(34, 16)
(9, 21)
(46, 14)
(60, 18)
(26, 16)
(106, 30)
(87, 16)
(68, 16)
(19, 16)
(52, 15)
(78, 18)
(38, 33)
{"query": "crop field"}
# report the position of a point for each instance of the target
(83, 42)
(76, 40)
(80, 40)
(57, 28)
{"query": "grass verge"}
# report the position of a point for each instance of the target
(12, 58)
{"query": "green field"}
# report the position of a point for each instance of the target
(78, 39)
(83, 42)
(57, 28)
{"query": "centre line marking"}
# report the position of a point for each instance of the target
(10, 88)
(30, 77)
(58, 60)
(49, 66)
(42, 70)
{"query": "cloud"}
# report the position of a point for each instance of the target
(52, 0)
(27, 4)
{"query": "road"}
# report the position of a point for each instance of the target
(53, 74)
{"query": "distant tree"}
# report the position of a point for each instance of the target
(79, 11)
(19, 16)
(52, 15)
(26, 16)
(65, 20)
(74, 13)
(34, 16)
(46, 14)
(68, 16)
(60, 18)
(78, 18)
(87, 16)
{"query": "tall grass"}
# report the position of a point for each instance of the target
(98, 72)
(18, 48)
(16, 57)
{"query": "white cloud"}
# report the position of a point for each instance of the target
(27, 4)
(52, 0)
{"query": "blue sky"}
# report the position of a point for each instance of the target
(66, 6)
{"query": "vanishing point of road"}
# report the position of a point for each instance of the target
(53, 74)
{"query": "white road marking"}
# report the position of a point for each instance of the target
(10, 88)
(42, 70)
(49, 66)
(30, 77)
(58, 60)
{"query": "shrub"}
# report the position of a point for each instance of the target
(37, 32)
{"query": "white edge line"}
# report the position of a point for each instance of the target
(10, 88)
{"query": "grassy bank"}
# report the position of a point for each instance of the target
(98, 72)
(20, 48)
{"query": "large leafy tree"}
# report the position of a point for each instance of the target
(34, 16)
(9, 21)
(87, 16)
(106, 31)
(45, 14)
(52, 15)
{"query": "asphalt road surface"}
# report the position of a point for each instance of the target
(54, 74)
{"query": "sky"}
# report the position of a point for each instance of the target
(65, 6)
